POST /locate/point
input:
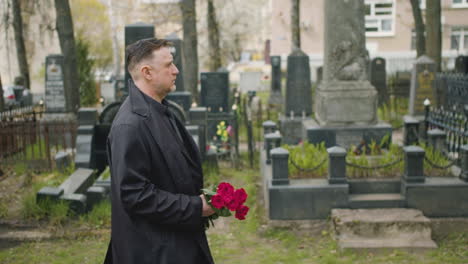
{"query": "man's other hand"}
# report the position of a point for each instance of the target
(206, 210)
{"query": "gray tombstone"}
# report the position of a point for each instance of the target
(422, 84)
(378, 78)
(177, 53)
(55, 97)
(215, 91)
(345, 96)
(133, 33)
(461, 64)
(250, 81)
(298, 85)
(275, 94)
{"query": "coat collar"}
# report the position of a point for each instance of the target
(139, 105)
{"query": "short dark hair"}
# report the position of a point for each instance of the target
(143, 49)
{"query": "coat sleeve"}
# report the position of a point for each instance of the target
(138, 195)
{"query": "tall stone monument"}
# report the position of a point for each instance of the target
(133, 33)
(422, 84)
(345, 102)
(276, 97)
(55, 97)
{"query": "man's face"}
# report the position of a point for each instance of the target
(163, 71)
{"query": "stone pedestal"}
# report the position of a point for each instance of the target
(341, 103)
(345, 136)
(291, 129)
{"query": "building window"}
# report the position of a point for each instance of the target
(380, 18)
(459, 39)
(459, 3)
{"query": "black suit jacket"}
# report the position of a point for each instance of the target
(156, 210)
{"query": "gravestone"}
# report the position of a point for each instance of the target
(133, 33)
(177, 53)
(401, 84)
(378, 78)
(345, 100)
(276, 96)
(422, 84)
(184, 99)
(298, 85)
(250, 81)
(461, 64)
(55, 97)
(319, 74)
(215, 91)
(198, 117)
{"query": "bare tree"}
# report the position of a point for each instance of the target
(295, 26)
(2, 102)
(189, 23)
(64, 24)
(434, 33)
(213, 38)
(19, 40)
(115, 41)
(419, 28)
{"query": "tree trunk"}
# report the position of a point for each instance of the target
(419, 28)
(115, 41)
(2, 102)
(190, 43)
(434, 34)
(19, 40)
(295, 25)
(71, 81)
(213, 38)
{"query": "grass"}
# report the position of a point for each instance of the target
(231, 241)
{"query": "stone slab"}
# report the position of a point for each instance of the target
(376, 200)
(47, 192)
(76, 202)
(344, 136)
(95, 194)
(311, 200)
(374, 186)
(291, 129)
(78, 182)
(438, 197)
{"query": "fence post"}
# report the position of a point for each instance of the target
(414, 164)
(436, 139)
(268, 127)
(411, 131)
(280, 171)
(337, 165)
(464, 163)
(272, 140)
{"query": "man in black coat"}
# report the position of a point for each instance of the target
(156, 176)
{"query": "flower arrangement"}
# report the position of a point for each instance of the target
(224, 132)
(226, 199)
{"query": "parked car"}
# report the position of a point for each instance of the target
(16, 96)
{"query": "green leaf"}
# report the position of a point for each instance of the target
(208, 192)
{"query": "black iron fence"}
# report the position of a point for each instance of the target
(452, 90)
(34, 143)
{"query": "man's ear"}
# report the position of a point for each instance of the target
(145, 72)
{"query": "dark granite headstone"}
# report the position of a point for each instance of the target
(378, 78)
(62, 160)
(55, 97)
(133, 33)
(275, 94)
(401, 84)
(215, 91)
(83, 146)
(87, 116)
(178, 56)
(461, 64)
(298, 87)
(184, 99)
(319, 73)
(98, 150)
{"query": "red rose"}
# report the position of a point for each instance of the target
(225, 189)
(233, 205)
(241, 212)
(217, 201)
(240, 196)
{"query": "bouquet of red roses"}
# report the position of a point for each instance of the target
(225, 199)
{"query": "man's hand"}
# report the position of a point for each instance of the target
(206, 210)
